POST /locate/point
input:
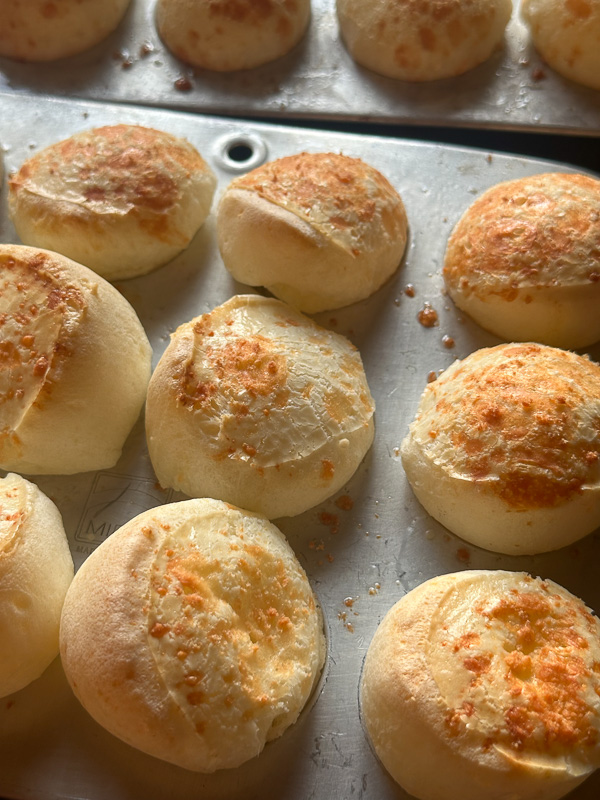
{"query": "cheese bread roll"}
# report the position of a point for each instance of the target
(46, 30)
(192, 633)
(524, 260)
(223, 36)
(566, 33)
(122, 199)
(485, 684)
(257, 405)
(504, 450)
(417, 41)
(318, 230)
(74, 365)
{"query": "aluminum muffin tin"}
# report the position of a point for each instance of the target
(318, 80)
(362, 550)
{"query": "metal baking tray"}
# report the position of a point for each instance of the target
(360, 560)
(318, 80)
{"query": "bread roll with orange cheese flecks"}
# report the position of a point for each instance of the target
(121, 199)
(36, 570)
(74, 365)
(504, 449)
(414, 40)
(524, 260)
(318, 230)
(566, 33)
(493, 677)
(192, 633)
(46, 30)
(229, 35)
(255, 404)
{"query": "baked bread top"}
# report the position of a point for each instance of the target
(523, 419)
(417, 41)
(226, 36)
(38, 30)
(537, 231)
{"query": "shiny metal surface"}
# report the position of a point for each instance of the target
(360, 559)
(319, 79)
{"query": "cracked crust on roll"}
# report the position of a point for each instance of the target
(413, 40)
(74, 365)
(192, 633)
(505, 451)
(121, 199)
(257, 405)
(318, 230)
(524, 260)
(493, 677)
(230, 35)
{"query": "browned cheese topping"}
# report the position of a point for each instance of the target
(538, 231)
(327, 189)
(518, 660)
(530, 422)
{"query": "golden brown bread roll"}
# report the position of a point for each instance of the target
(566, 33)
(225, 36)
(524, 260)
(36, 569)
(485, 684)
(122, 199)
(38, 30)
(319, 230)
(74, 365)
(422, 41)
(504, 449)
(257, 405)
(192, 633)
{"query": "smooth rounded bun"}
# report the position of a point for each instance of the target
(122, 199)
(504, 450)
(36, 569)
(192, 633)
(319, 231)
(484, 684)
(38, 30)
(74, 365)
(258, 405)
(417, 41)
(225, 36)
(524, 260)
(566, 33)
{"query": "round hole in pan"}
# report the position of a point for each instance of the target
(240, 152)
